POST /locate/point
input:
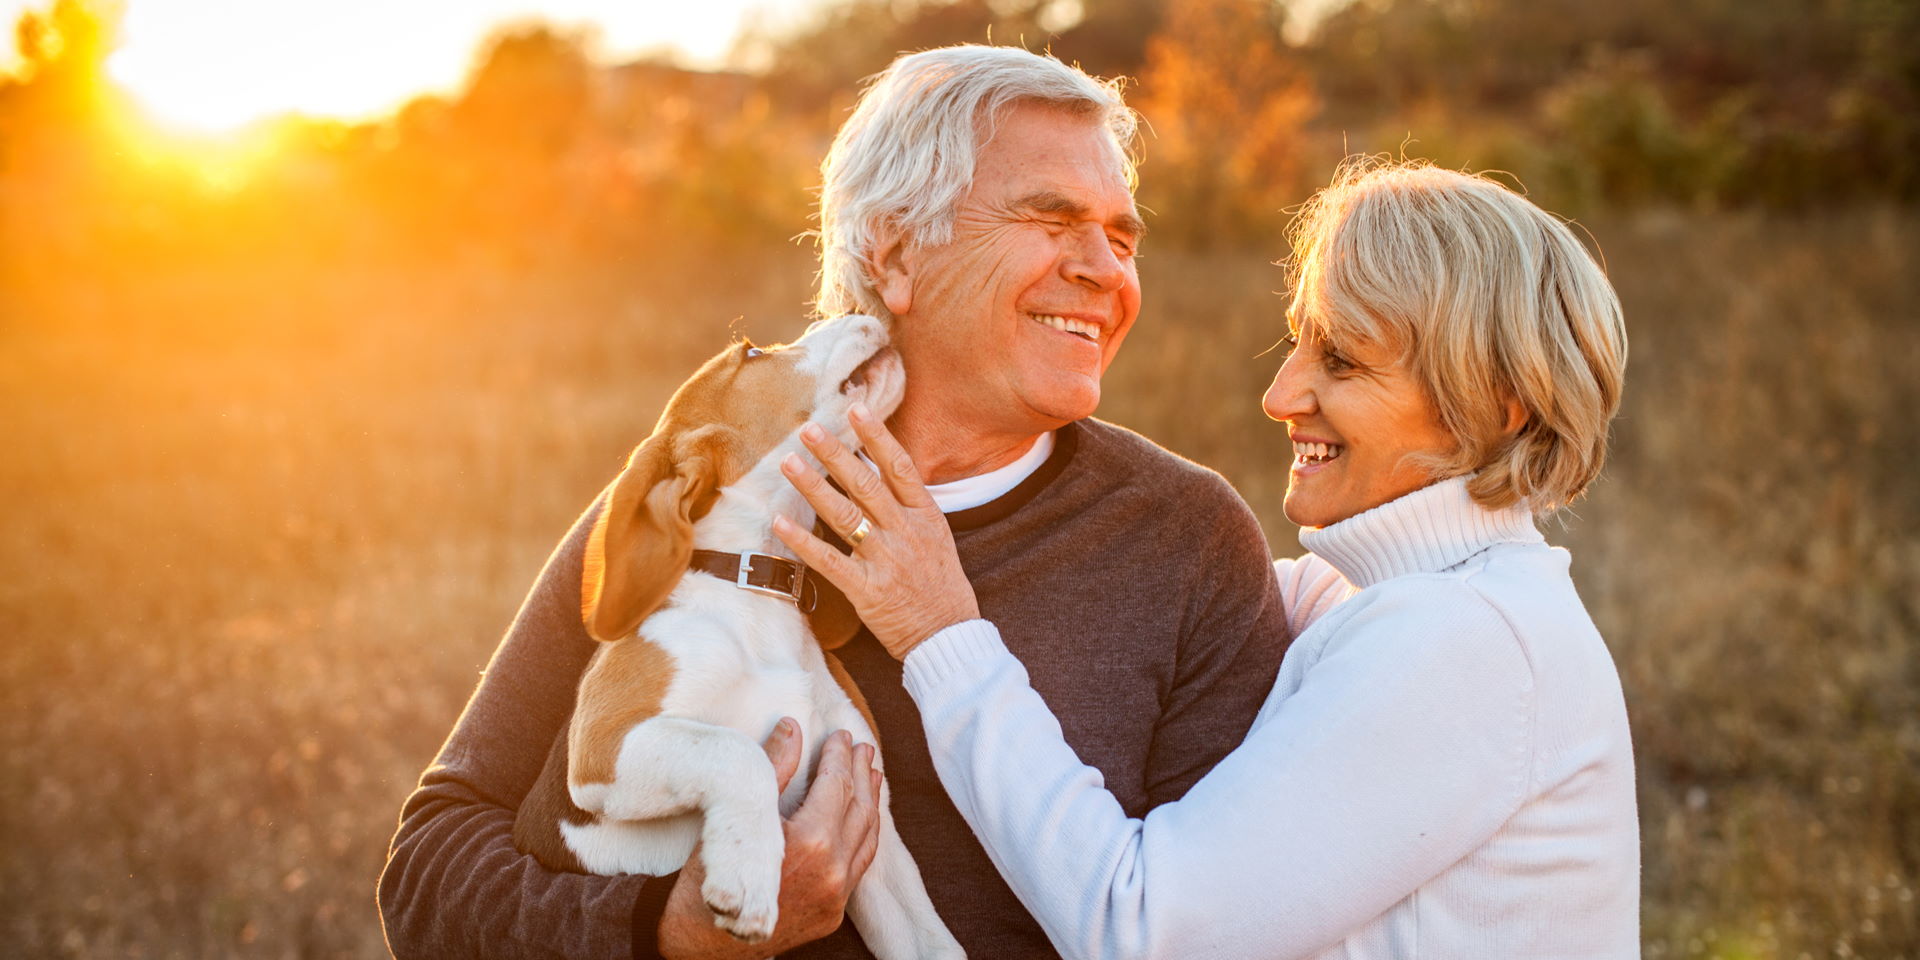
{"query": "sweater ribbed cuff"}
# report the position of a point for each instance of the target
(960, 650)
(648, 908)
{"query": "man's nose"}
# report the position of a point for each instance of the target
(1094, 263)
(1290, 397)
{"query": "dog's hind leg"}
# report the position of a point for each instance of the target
(891, 908)
(670, 765)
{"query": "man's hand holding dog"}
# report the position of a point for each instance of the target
(830, 841)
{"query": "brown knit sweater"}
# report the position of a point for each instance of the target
(1134, 585)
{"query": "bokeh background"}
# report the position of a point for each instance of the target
(293, 411)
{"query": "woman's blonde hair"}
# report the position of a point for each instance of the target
(1489, 299)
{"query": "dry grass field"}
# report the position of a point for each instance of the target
(263, 529)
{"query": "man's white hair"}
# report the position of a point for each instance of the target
(905, 159)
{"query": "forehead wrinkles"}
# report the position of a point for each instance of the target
(996, 159)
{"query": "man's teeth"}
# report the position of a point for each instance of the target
(1089, 330)
(1316, 452)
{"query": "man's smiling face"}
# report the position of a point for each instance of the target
(1010, 325)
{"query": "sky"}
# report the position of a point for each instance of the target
(213, 65)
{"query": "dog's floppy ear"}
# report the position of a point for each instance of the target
(644, 536)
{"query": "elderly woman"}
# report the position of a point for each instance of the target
(1442, 768)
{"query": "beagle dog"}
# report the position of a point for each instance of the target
(702, 614)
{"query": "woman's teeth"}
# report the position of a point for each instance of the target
(1089, 330)
(1304, 453)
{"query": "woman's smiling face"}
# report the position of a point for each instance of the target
(1359, 423)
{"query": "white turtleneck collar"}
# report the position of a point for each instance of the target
(1426, 531)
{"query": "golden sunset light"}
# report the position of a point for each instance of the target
(212, 66)
(335, 333)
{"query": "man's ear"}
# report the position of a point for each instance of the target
(641, 543)
(889, 263)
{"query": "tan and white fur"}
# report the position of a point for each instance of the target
(663, 748)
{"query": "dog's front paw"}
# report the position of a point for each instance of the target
(742, 847)
(748, 909)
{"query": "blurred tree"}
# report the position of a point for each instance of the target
(818, 65)
(530, 91)
(63, 51)
(1227, 105)
(1621, 140)
(1646, 101)
(550, 159)
(511, 153)
(1111, 37)
(479, 176)
(59, 139)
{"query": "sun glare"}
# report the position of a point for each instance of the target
(215, 66)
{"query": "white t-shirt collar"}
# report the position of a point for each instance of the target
(969, 492)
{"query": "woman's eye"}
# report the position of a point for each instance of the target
(1337, 363)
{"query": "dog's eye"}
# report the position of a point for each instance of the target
(754, 352)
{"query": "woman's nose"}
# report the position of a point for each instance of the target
(1289, 397)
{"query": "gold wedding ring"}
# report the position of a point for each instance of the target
(859, 534)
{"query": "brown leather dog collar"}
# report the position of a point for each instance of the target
(761, 573)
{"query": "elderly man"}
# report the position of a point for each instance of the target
(979, 198)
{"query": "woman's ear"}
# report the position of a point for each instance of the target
(644, 536)
(1516, 416)
(889, 263)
